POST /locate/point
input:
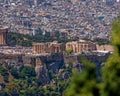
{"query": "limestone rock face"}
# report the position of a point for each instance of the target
(54, 65)
(41, 71)
(48, 63)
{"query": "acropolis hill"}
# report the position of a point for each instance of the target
(76, 47)
(49, 55)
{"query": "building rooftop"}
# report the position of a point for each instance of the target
(3, 27)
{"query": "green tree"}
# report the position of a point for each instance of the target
(111, 71)
(14, 72)
(57, 34)
(27, 71)
(12, 89)
(26, 43)
(85, 84)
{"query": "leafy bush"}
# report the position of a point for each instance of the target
(27, 71)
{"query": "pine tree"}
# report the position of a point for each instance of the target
(111, 71)
(85, 84)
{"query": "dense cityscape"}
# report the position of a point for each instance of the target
(44, 42)
(76, 18)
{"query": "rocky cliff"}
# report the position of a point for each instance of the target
(52, 66)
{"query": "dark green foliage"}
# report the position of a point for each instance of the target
(26, 83)
(26, 43)
(27, 72)
(14, 72)
(38, 31)
(111, 71)
(12, 89)
(4, 73)
(4, 93)
(57, 34)
(6, 78)
(18, 39)
(50, 74)
(86, 84)
(14, 39)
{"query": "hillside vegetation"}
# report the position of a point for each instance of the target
(87, 84)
